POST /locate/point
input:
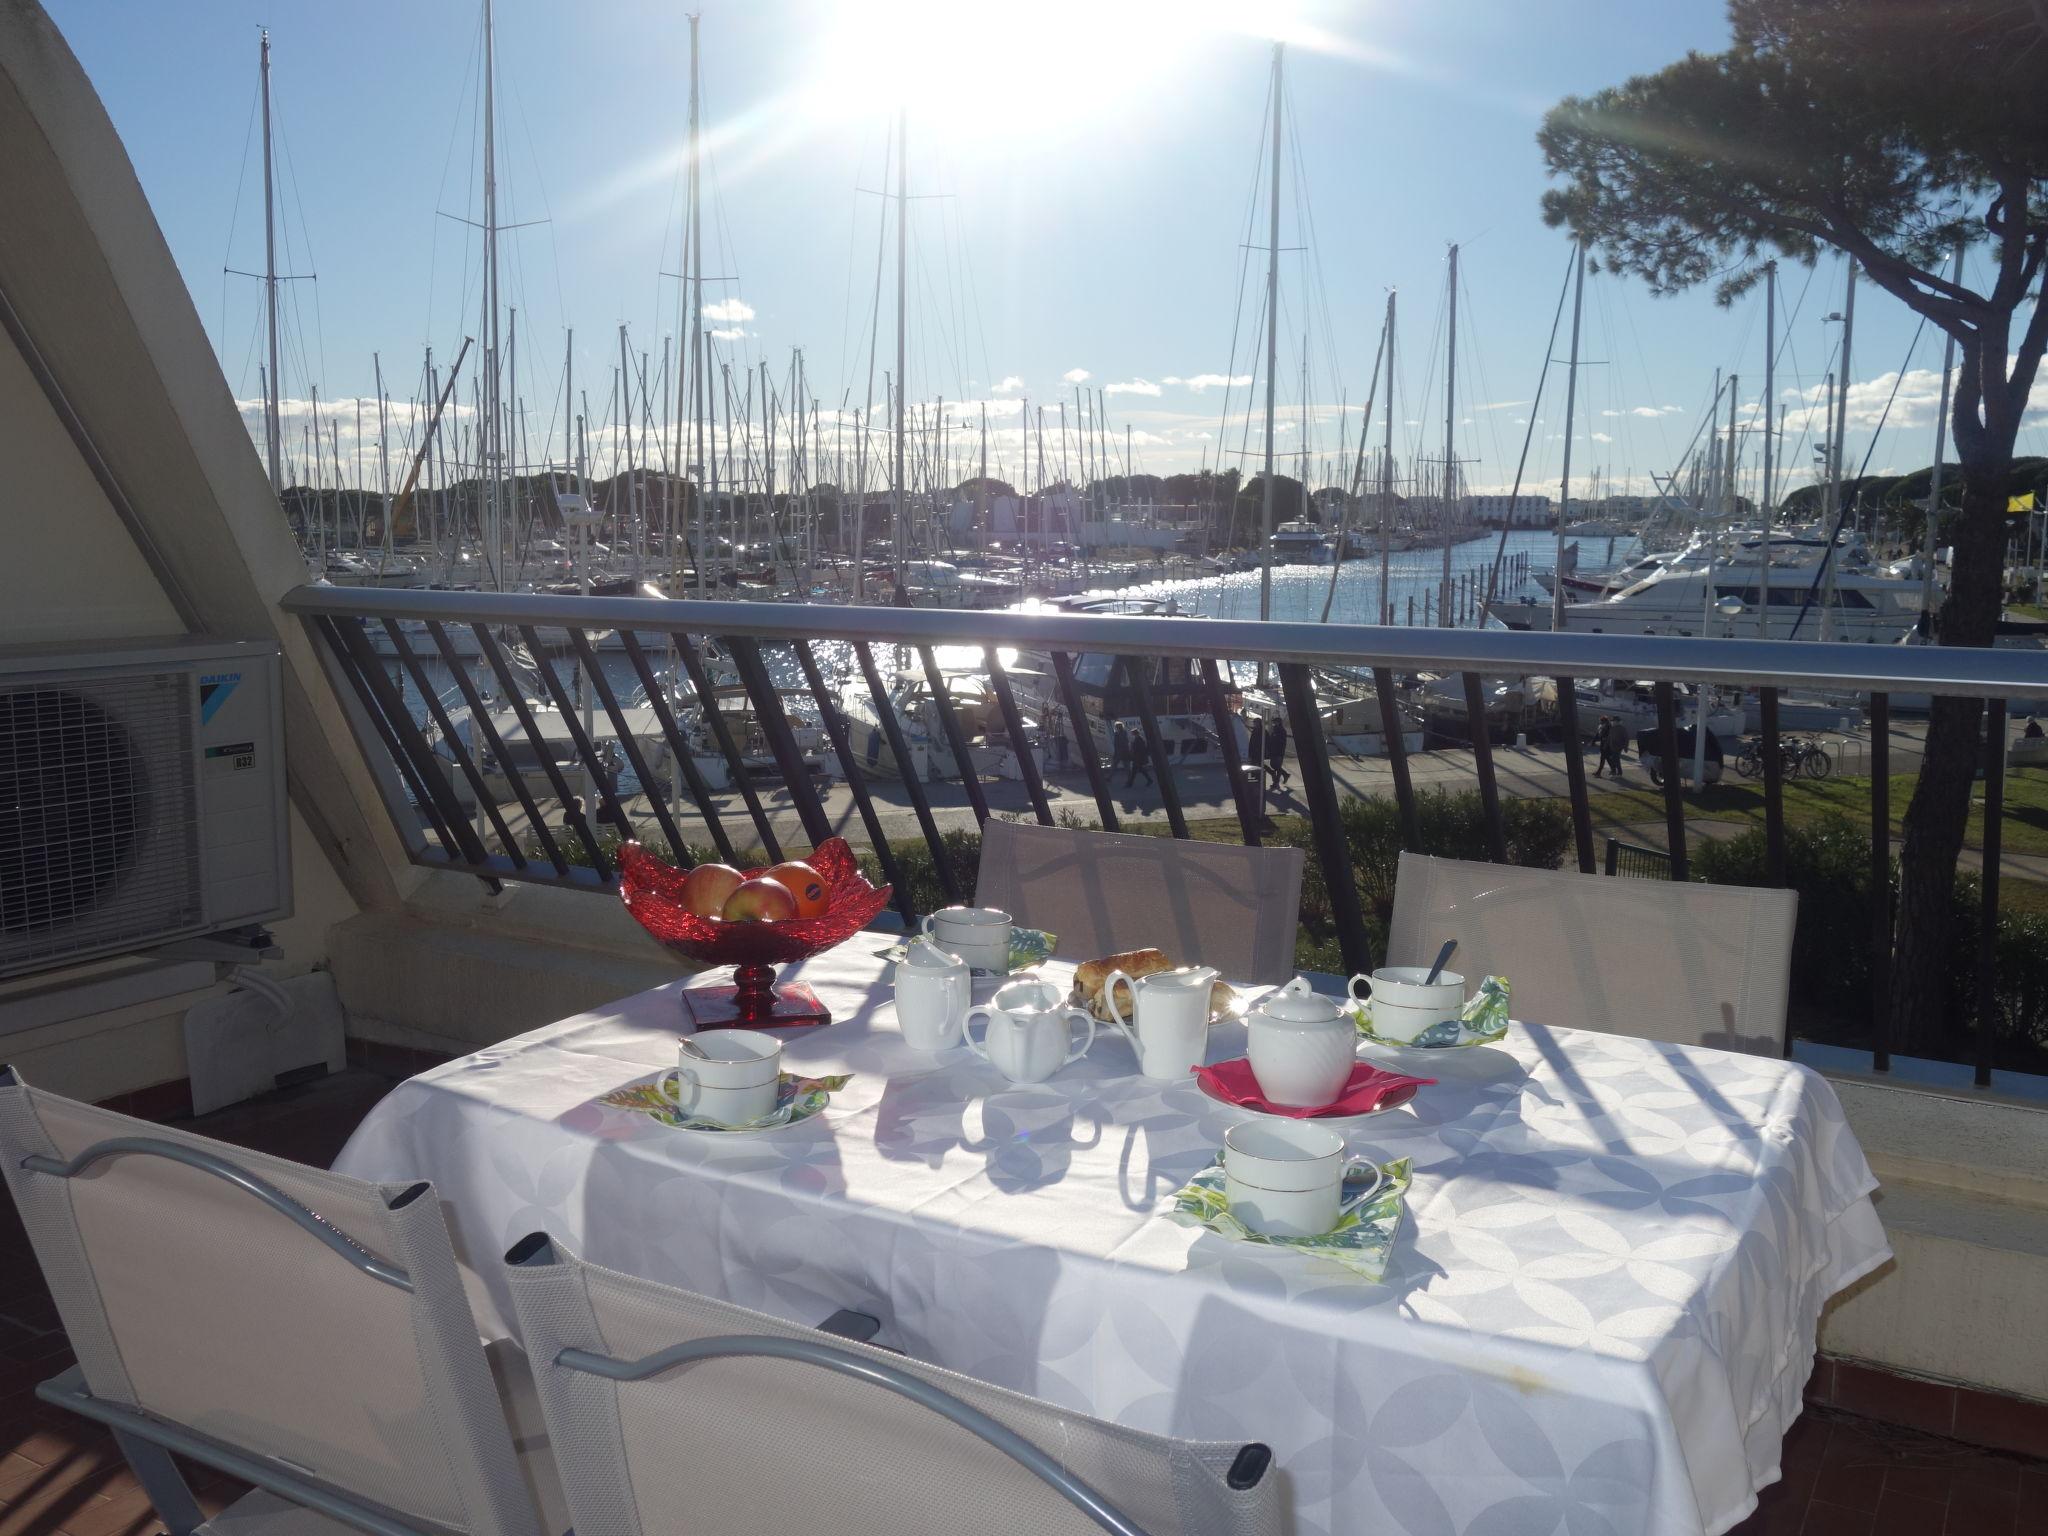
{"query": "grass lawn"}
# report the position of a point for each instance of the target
(2024, 830)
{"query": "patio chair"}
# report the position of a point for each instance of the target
(1217, 904)
(304, 1332)
(1668, 960)
(672, 1411)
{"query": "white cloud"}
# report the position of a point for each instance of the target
(1501, 405)
(1132, 387)
(1602, 437)
(1010, 385)
(1205, 381)
(729, 309)
(733, 334)
(1076, 376)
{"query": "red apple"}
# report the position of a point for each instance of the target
(806, 885)
(759, 900)
(708, 887)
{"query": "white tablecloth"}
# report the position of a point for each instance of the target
(1599, 1315)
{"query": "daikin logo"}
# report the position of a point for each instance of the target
(214, 691)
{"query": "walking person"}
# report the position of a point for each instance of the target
(1255, 752)
(1276, 755)
(1119, 748)
(1617, 739)
(1140, 756)
(1600, 743)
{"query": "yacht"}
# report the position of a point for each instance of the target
(1300, 543)
(991, 752)
(1861, 605)
(349, 568)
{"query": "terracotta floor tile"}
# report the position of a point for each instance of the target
(1976, 1510)
(1834, 1520)
(1855, 1486)
(1920, 1481)
(1900, 1514)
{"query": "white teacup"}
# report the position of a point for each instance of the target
(1403, 1006)
(1170, 1025)
(1029, 1035)
(933, 990)
(735, 1085)
(1286, 1178)
(978, 935)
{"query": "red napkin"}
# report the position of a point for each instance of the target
(1370, 1088)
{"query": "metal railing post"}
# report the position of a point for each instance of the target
(1250, 809)
(956, 739)
(1013, 722)
(649, 785)
(1674, 802)
(1326, 824)
(457, 751)
(577, 816)
(735, 765)
(1987, 933)
(856, 781)
(1880, 882)
(810, 810)
(1155, 744)
(1482, 761)
(1774, 788)
(678, 746)
(565, 706)
(1084, 740)
(496, 744)
(1575, 773)
(1394, 731)
(892, 729)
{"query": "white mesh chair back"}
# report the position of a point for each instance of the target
(1101, 893)
(1664, 960)
(191, 1299)
(749, 1446)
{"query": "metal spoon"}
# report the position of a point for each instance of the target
(1443, 958)
(692, 1048)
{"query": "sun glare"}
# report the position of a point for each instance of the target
(984, 74)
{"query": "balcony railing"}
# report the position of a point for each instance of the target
(688, 680)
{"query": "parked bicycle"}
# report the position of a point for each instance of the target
(1796, 758)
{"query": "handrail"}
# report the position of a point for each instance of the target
(875, 1373)
(206, 1162)
(1954, 670)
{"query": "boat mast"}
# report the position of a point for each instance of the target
(1272, 352)
(383, 455)
(694, 266)
(273, 429)
(1443, 602)
(1763, 573)
(1387, 484)
(1571, 401)
(493, 436)
(1828, 554)
(899, 499)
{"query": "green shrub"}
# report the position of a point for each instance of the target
(1828, 863)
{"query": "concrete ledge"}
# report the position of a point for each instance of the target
(458, 969)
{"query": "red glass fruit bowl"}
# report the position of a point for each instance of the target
(652, 890)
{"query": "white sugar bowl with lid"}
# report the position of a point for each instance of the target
(1301, 1046)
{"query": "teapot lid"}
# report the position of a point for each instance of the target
(1298, 1003)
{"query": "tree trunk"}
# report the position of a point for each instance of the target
(1941, 800)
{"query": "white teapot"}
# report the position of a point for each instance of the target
(1301, 1046)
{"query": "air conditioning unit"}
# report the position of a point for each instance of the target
(142, 797)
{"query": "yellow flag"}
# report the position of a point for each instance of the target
(2020, 503)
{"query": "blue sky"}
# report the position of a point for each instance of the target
(1094, 165)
